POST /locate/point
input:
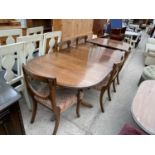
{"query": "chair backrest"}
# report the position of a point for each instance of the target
(33, 44)
(9, 36)
(30, 78)
(10, 58)
(116, 69)
(51, 40)
(35, 30)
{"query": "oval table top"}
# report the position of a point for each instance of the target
(143, 106)
(80, 67)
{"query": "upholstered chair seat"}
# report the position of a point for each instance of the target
(65, 98)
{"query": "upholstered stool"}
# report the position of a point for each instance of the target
(148, 73)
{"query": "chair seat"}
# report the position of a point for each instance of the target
(149, 72)
(103, 83)
(65, 98)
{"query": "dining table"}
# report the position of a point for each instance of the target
(78, 67)
(110, 43)
(143, 106)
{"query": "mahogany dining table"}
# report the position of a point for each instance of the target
(78, 67)
(110, 43)
(81, 67)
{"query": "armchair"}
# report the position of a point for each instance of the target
(150, 52)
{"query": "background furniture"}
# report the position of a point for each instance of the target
(33, 46)
(150, 52)
(109, 43)
(116, 23)
(51, 40)
(9, 36)
(46, 23)
(128, 129)
(117, 34)
(149, 73)
(73, 28)
(98, 27)
(35, 30)
(133, 38)
(11, 122)
(143, 106)
(10, 57)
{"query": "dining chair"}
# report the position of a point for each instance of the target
(10, 56)
(126, 54)
(51, 41)
(106, 83)
(134, 40)
(9, 36)
(35, 30)
(33, 46)
(44, 91)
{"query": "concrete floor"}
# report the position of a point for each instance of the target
(92, 121)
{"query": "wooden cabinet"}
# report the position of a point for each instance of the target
(11, 122)
(98, 26)
(46, 23)
(72, 28)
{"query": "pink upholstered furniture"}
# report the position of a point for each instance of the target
(130, 130)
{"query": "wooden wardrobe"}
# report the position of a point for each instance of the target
(73, 28)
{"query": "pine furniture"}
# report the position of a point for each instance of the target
(73, 28)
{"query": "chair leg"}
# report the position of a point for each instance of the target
(78, 104)
(114, 85)
(109, 95)
(57, 121)
(101, 99)
(27, 99)
(118, 79)
(34, 110)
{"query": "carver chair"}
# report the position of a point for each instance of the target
(44, 91)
